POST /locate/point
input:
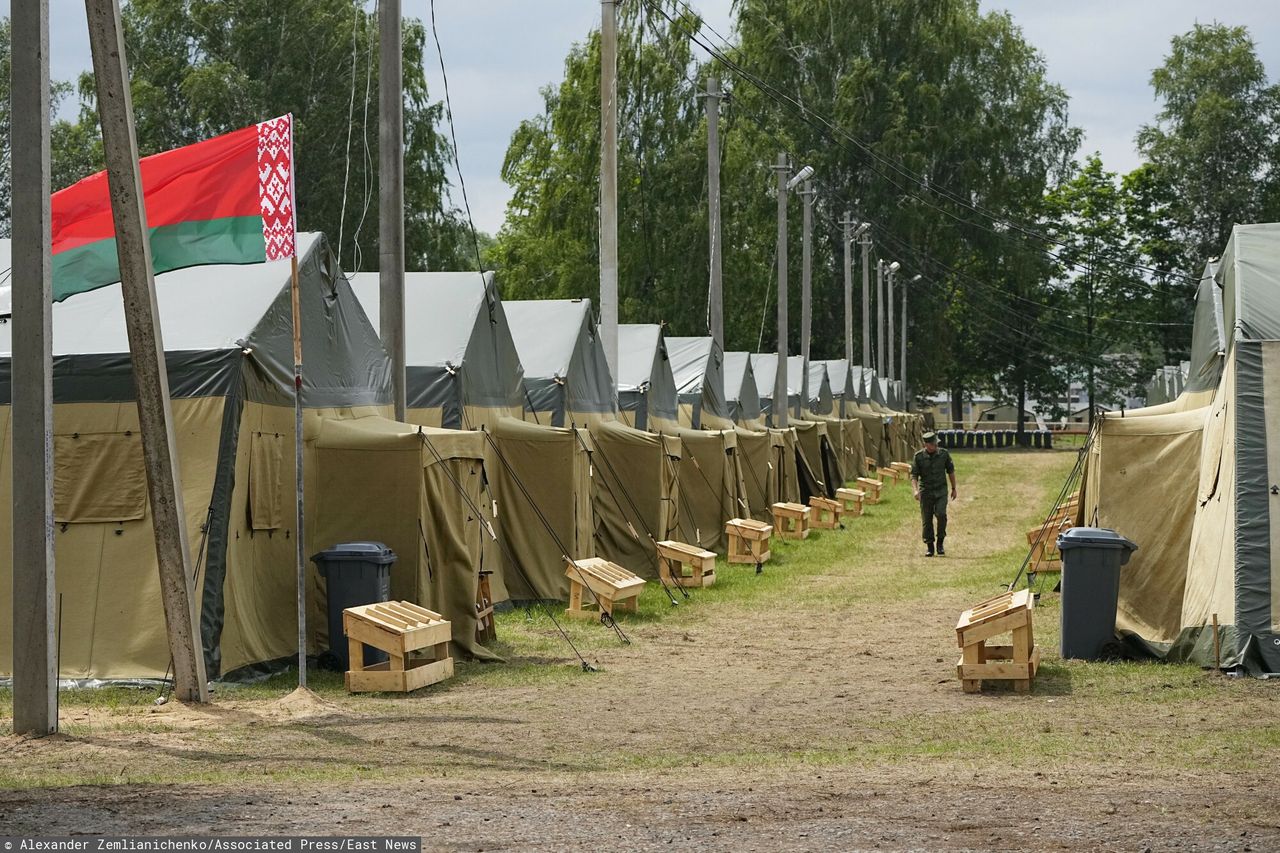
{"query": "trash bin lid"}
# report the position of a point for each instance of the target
(1093, 537)
(371, 552)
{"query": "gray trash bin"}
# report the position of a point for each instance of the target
(1091, 561)
(355, 573)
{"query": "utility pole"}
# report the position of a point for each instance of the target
(780, 377)
(35, 659)
(846, 229)
(716, 287)
(903, 375)
(806, 292)
(866, 294)
(146, 347)
(891, 274)
(879, 317)
(391, 197)
(609, 182)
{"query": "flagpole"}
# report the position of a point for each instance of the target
(300, 538)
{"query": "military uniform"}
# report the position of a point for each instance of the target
(931, 470)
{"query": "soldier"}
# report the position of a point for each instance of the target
(930, 470)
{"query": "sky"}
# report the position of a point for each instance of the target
(500, 53)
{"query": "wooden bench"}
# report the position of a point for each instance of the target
(1044, 546)
(598, 587)
(674, 557)
(1007, 613)
(870, 489)
(890, 475)
(851, 501)
(871, 464)
(748, 541)
(791, 520)
(825, 513)
(401, 629)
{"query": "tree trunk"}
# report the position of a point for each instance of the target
(957, 407)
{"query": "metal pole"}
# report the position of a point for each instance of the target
(716, 296)
(891, 275)
(879, 317)
(35, 663)
(806, 293)
(780, 377)
(847, 227)
(866, 300)
(146, 348)
(609, 182)
(391, 197)
(300, 554)
(903, 343)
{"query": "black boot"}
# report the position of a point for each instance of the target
(942, 552)
(928, 549)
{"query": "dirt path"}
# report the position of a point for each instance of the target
(824, 714)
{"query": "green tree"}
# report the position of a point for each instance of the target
(1215, 138)
(1100, 291)
(204, 67)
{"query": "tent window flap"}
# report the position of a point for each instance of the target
(266, 461)
(98, 478)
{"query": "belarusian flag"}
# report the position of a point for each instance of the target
(227, 200)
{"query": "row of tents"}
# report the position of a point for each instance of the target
(519, 450)
(1195, 480)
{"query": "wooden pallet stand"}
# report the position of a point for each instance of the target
(1044, 547)
(871, 464)
(871, 489)
(596, 586)
(851, 501)
(486, 629)
(401, 629)
(889, 475)
(791, 520)
(675, 557)
(825, 513)
(748, 541)
(904, 468)
(1009, 612)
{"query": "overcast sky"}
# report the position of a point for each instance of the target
(499, 53)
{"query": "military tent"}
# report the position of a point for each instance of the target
(741, 392)
(462, 371)
(419, 490)
(646, 389)
(821, 394)
(229, 355)
(697, 365)
(636, 493)
(567, 380)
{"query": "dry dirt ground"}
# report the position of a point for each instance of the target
(813, 708)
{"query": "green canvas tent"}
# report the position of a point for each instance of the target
(567, 380)
(646, 389)
(462, 371)
(636, 493)
(697, 365)
(419, 490)
(741, 391)
(229, 355)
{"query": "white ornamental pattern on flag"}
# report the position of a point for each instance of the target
(275, 187)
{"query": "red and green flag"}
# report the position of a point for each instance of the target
(227, 200)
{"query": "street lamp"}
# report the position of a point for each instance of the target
(785, 185)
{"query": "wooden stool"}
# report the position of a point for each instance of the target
(1009, 612)
(791, 520)
(486, 630)
(871, 489)
(748, 541)
(851, 501)
(674, 556)
(871, 464)
(605, 586)
(890, 475)
(397, 628)
(826, 513)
